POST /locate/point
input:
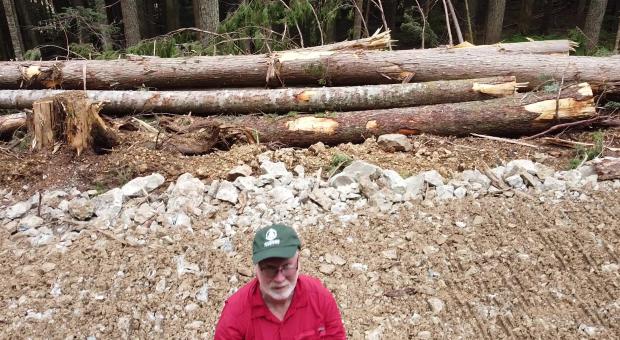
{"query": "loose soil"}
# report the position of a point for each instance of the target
(517, 269)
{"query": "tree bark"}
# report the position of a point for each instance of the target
(172, 15)
(12, 122)
(617, 44)
(14, 28)
(522, 114)
(594, 20)
(525, 16)
(311, 68)
(281, 100)
(357, 18)
(208, 17)
(104, 28)
(130, 22)
(26, 13)
(495, 20)
(580, 15)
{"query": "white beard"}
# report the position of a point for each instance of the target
(281, 294)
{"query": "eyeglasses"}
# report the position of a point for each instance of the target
(272, 271)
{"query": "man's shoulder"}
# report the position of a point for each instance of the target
(313, 285)
(242, 298)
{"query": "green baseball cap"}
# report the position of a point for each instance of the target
(277, 240)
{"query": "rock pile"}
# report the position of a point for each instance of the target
(138, 211)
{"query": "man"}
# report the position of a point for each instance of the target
(279, 303)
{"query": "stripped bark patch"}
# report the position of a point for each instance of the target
(496, 90)
(313, 124)
(291, 56)
(566, 108)
(371, 125)
(304, 96)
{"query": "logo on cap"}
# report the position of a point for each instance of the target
(271, 234)
(271, 237)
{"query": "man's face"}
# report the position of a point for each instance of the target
(278, 277)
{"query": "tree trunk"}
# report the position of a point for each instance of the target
(471, 7)
(12, 122)
(172, 15)
(522, 114)
(357, 18)
(495, 20)
(25, 12)
(70, 118)
(282, 100)
(617, 44)
(594, 20)
(14, 29)
(104, 28)
(525, 16)
(130, 22)
(581, 10)
(208, 17)
(548, 18)
(311, 68)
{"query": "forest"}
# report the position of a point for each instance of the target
(111, 29)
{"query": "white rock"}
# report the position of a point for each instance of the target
(109, 204)
(141, 185)
(143, 213)
(358, 169)
(433, 177)
(239, 171)
(394, 181)
(227, 192)
(445, 192)
(435, 304)
(553, 184)
(609, 267)
(184, 266)
(281, 194)
(277, 169)
(515, 181)
(414, 186)
(30, 222)
(360, 267)
(518, 166)
(424, 335)
(460, 192)
(18, 210)
(81, 208)
(394, 142)
(475, 176)
(247, 183)
(390, 254)
(187, 194)
(203, 293)
(341, 179)
(327, 268)
(587, 330)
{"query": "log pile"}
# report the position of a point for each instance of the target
(337, 93)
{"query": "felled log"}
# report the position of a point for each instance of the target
(521, 114)
(72, 119)
(308, 68)
(12, 122)
(282, 100)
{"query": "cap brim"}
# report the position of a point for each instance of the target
(281, 252)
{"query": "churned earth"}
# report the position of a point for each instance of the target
(496, 266)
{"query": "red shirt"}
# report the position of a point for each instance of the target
(313, 314)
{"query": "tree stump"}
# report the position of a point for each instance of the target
(70, 118)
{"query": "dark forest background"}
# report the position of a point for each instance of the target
(108, 29)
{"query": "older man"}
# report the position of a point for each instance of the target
(280, 303)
